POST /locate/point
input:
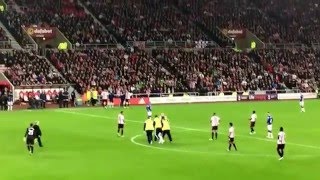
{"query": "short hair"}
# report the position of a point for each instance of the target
(253, 111)
(156, 116)
(121, 112)
(31, 124)
(214, 113)
(281, 128)
(231, 124)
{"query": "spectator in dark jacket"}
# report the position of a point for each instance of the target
(43, 99)
(38, 133)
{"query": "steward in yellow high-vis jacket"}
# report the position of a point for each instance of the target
(148, 128)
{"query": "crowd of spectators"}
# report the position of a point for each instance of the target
(110, 69)
(227, 70)
(4, 40)
(272, 21)
(25, 69)
(145, 20)
(78, 26)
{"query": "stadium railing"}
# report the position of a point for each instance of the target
(284, 46)
(5, 44)
(172, 44)
(165, 94)
(96, 46)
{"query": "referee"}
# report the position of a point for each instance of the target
(37, 133)
(148, 128)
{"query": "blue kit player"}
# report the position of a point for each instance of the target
(269, 126)
(301, 102)
(149, 111)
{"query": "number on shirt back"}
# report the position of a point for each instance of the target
(30, 132)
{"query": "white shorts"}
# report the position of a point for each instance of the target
(149, 113)
(10, 103)
(269, 127)
(301, 103)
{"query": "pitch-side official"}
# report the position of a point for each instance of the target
(38, 133)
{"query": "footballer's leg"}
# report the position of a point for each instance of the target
(279, 151)
(122, 129)
(39, 141)
(169, 136)
(156, 134)
(119, 129)
(229, 148)
(235, 147)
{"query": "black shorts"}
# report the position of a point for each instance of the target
(215, 128)
(111, 100)
(127, 100)
(30, 141)
(252, 124)
(158, 130)
(231, 140)
(281, 146)
(120, 125)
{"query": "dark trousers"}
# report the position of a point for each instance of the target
(158, 130)
(43, 104)
(39, 141)
(167, 132)
(149, 136)
(60, 103)
(66, 104)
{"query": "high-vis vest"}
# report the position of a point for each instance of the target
(95, 94)
(149, 124)
(165, 125)
(88, 95)
(158, 122)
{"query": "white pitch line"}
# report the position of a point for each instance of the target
(133, 140)
(184, 128)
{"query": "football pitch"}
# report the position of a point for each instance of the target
(81, 144)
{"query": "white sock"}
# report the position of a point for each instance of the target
(160, 138)
(271, 135)
(303, 110)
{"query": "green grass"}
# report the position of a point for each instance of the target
(82, 144)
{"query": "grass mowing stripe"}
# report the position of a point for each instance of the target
(184, 128)
(133, 140)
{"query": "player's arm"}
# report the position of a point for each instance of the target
(40, 132)
(144, 127)
(26, 133)
(154, 124)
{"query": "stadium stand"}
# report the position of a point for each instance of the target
(25, 68)
(4, 40)
(68, 16)
(226, 70)
(112, 69)
(201, 69)
(143, 20)
(272, 21)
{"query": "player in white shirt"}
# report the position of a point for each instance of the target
(253, 120)
(127, 101)
(231, 138)
(105, 95)
(301, 103)
(215, 121)
(121, 123)
(281, 143)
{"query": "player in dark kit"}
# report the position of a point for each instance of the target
(29, 137)
(38, 133)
